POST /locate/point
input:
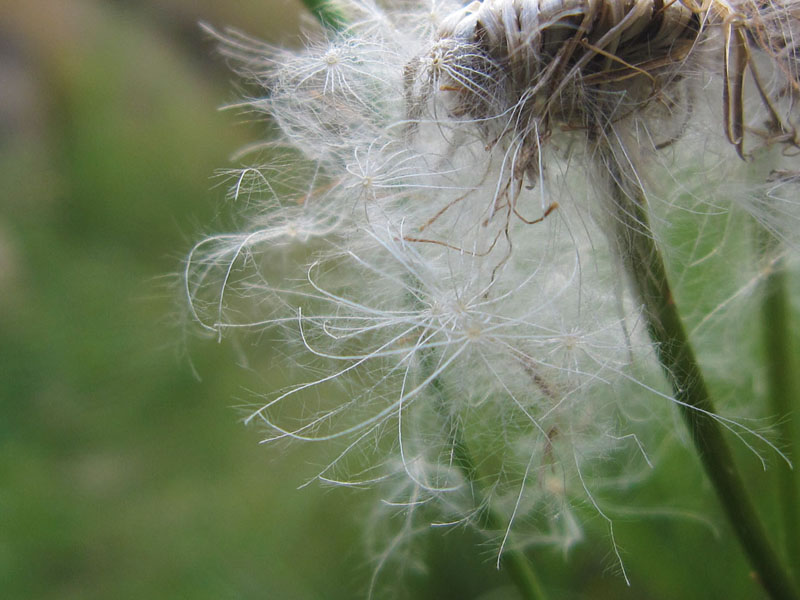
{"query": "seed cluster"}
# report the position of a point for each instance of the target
(523, 66)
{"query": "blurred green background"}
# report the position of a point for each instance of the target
(125, 471)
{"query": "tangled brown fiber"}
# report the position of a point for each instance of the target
(525, 66)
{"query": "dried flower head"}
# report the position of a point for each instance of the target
(448, 274)
(521, 69)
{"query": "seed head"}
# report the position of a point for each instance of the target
(441, 223)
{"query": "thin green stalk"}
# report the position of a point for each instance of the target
(782, 388)
(519, 568)
(326, 13)
(645, 267)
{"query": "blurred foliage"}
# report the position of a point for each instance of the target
(122, 474)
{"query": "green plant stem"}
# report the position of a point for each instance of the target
(645, 266)
(326, 13)
(782, 388)
(519, 568)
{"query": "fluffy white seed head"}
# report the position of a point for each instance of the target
(426, 236)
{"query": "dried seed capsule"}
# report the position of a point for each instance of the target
(525, 66)
(536, 63)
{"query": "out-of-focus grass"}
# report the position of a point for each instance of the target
(121, 474)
